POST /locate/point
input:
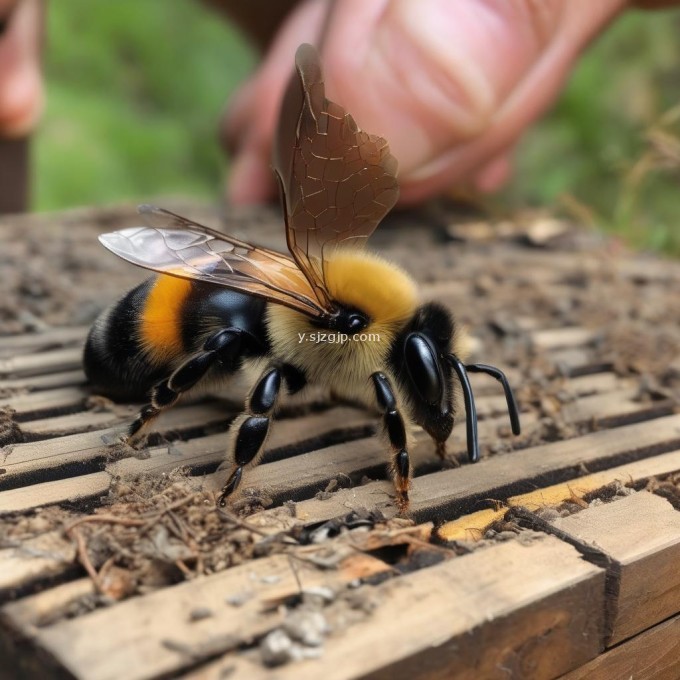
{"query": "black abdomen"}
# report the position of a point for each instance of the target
(124, 361)
(113, 359)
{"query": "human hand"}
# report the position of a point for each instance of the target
(21, 88)
(450, 85)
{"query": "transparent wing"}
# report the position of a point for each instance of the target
(337, 182)
(177, 246)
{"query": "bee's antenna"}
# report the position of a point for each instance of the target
(509, 396)
(470, 410)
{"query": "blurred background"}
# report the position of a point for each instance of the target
(141, 90)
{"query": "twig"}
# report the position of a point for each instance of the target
(173, 506)
(84, 559)
(240, 523)
(109, 519)
(183, 568)
(295, 573)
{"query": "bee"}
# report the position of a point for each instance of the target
(329, 313)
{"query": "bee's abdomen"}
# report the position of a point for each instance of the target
(134, 343)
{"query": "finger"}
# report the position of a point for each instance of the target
(494, 175)
(250, 179)
(531, 96)
(6, 7)
(21, 89)
(251, 122)
(236, 119)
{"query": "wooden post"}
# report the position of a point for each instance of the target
(14, 166)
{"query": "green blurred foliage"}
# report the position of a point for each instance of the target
(135, 93)
(609, 152)
(136, 88)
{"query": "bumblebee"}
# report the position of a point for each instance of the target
(328, 313)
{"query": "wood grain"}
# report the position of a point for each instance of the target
(509, 611)
(471, 487)
(472, 527)
(638, 538)
(652, 655)
(155, 629)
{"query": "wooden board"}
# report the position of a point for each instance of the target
(638, 539)
(586, 338)
(472, 527)
(468, 488)
(518, 596)
(509, 611)
(652, 655)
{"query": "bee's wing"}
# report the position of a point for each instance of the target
(337, 182)
(190, 250)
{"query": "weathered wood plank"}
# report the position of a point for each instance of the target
(296, 434)
(512, 610)
(487, 406)
(578, 361)
(71, 489)
(52, 361)
(469, 488)
(35, 558)
(615, 408)
(46, 400)
(156, 628)
(35, 611)
(29, 460)
(652, 655)
(558, 338)
(639, 540)
(73, 423)
(43, 382)
(312, 468)
(597, 383)
(36, 342)
(311, 472)
(472, 527)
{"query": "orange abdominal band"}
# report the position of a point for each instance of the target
(161, 327)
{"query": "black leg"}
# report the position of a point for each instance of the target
(396, 434)
(252, 427)
(509, 396)
(220, 346)
(470, 409)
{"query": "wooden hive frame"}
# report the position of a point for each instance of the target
(480, 581)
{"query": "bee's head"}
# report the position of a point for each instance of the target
(419, 360)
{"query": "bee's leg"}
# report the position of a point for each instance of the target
(251, 428)
(496, 373)
(223, 346)
(396, 434)
(470, 408)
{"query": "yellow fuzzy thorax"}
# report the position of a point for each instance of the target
(363, 280)
(369, 284)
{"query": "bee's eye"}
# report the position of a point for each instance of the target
(355, 323)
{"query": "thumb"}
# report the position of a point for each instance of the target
(21, 89)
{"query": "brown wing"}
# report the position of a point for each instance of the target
(177, 246)
(337, 182)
